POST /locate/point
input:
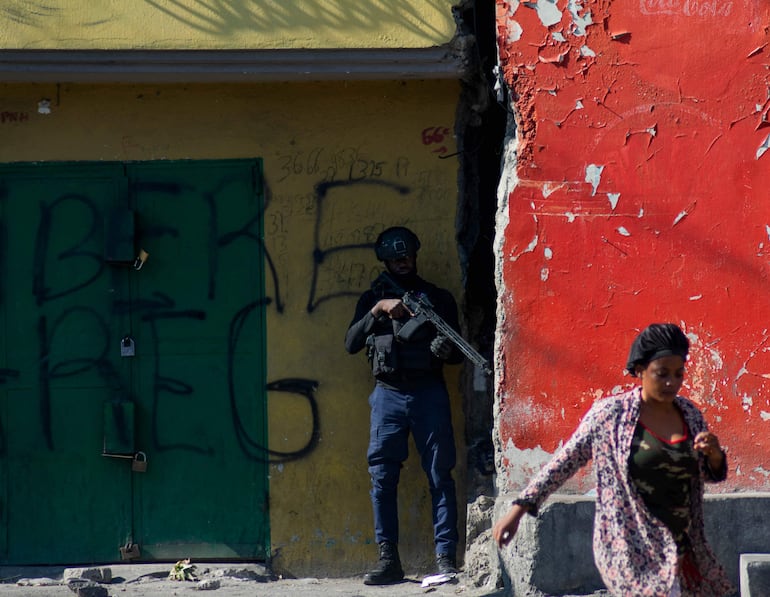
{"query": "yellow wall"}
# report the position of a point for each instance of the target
(252, 24)
(381, 144)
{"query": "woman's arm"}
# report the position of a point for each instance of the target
(565, 463)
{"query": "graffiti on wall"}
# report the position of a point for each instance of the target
(349, 197)
(81, 253)
(351, 275)
(339, 182)
(7, 117)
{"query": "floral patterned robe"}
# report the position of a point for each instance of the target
(634, 552)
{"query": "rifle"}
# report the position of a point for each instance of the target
(421, 307)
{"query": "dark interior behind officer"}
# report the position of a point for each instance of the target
(407, 355)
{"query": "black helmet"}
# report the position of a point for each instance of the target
(395, 243)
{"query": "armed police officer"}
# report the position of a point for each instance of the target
(407, 354)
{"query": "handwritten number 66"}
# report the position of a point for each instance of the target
(434, 134)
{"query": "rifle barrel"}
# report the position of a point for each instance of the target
(417, 304)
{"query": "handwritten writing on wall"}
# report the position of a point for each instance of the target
(353, 196)
(687, 8)
(348, 163)
(7, 117)
(436, 135)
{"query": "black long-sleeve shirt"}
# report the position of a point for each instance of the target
(393, 356)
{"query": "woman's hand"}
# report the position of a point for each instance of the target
(708, 444)
(506, 527)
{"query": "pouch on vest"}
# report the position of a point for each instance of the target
(381, 354)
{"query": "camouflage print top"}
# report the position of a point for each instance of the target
(662, 472)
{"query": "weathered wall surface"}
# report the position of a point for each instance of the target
(550, 554)
(229, 24)
(635, 193)
(341, 161)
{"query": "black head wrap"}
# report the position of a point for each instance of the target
(655, 341)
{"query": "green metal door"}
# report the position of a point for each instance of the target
(59, 494)
(199, 329)
(105, 356)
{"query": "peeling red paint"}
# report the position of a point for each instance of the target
(668, 101)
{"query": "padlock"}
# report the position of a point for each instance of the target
(139, 464)
(130, 551)
(127, 347)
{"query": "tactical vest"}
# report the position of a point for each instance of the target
(401, 346)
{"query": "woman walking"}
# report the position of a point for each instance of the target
(651, 452)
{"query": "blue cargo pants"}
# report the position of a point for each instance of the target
(422, 409)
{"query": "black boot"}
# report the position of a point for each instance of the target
(388, 569)
(446, 564)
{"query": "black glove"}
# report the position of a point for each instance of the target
(441, 347)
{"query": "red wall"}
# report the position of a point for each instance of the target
(640, 194)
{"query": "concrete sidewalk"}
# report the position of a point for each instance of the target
(224, 580)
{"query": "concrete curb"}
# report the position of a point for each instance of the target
(755, 574)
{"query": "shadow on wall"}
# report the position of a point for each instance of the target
(224, 17)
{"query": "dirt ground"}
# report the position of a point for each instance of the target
(151, 581)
